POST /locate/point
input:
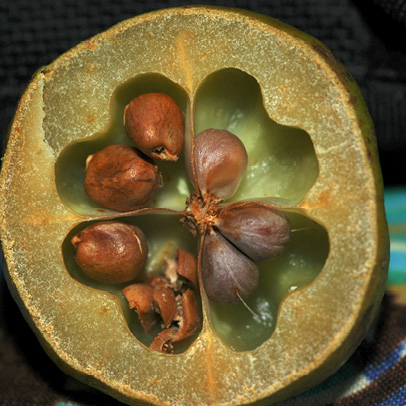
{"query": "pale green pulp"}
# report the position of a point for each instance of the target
(281, 164)
(281, 160)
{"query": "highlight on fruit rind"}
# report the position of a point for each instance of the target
(295, 94)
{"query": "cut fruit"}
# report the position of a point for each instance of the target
(311, 153)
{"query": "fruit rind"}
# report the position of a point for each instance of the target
(208, 360)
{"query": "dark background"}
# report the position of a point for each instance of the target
(368, 36)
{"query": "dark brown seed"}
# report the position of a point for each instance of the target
(227, 274)
(220, 161)
(259, 231)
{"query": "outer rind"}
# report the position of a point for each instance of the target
(219, 356)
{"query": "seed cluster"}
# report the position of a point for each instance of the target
(240, 233)
(233, 238)
(168, 298)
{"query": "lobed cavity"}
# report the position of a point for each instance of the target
(282, 167)
(71, 163)
(245, 326)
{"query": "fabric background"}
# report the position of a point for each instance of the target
(369, 38)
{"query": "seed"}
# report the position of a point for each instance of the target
(111, 252)
(140, 298)
(154, 122)
(164, 300)
(187, 267)
(187, 317)
(259, 231)
(163, 342)
(227, 273)
(119, 177)
(220, 161)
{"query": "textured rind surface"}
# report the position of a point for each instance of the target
(318, 327)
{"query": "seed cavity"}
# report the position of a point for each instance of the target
(168, 299)
(233, 236)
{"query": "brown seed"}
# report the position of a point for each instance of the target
(111, 252)
(163, 342)
(228, 275)
(154, 122)
(164, 300)
(220, 160)
(139, 296)
(259, 231)
(121, 178)
(186, 323)
(187, 316)
(187, 267)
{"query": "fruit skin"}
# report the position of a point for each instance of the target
(34, 221)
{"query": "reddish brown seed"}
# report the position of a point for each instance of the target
(187, 316)
(220, 160)
(111, 252)
(259, 231)
(154, 122)
(187, 267)
(139, 297)
(164, 300)
(163, 342)
(121, 178)
(187, 320)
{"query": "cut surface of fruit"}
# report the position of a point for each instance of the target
(311, 154)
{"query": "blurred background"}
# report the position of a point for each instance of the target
(369, 37)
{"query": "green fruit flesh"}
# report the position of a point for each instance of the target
(311, 152)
